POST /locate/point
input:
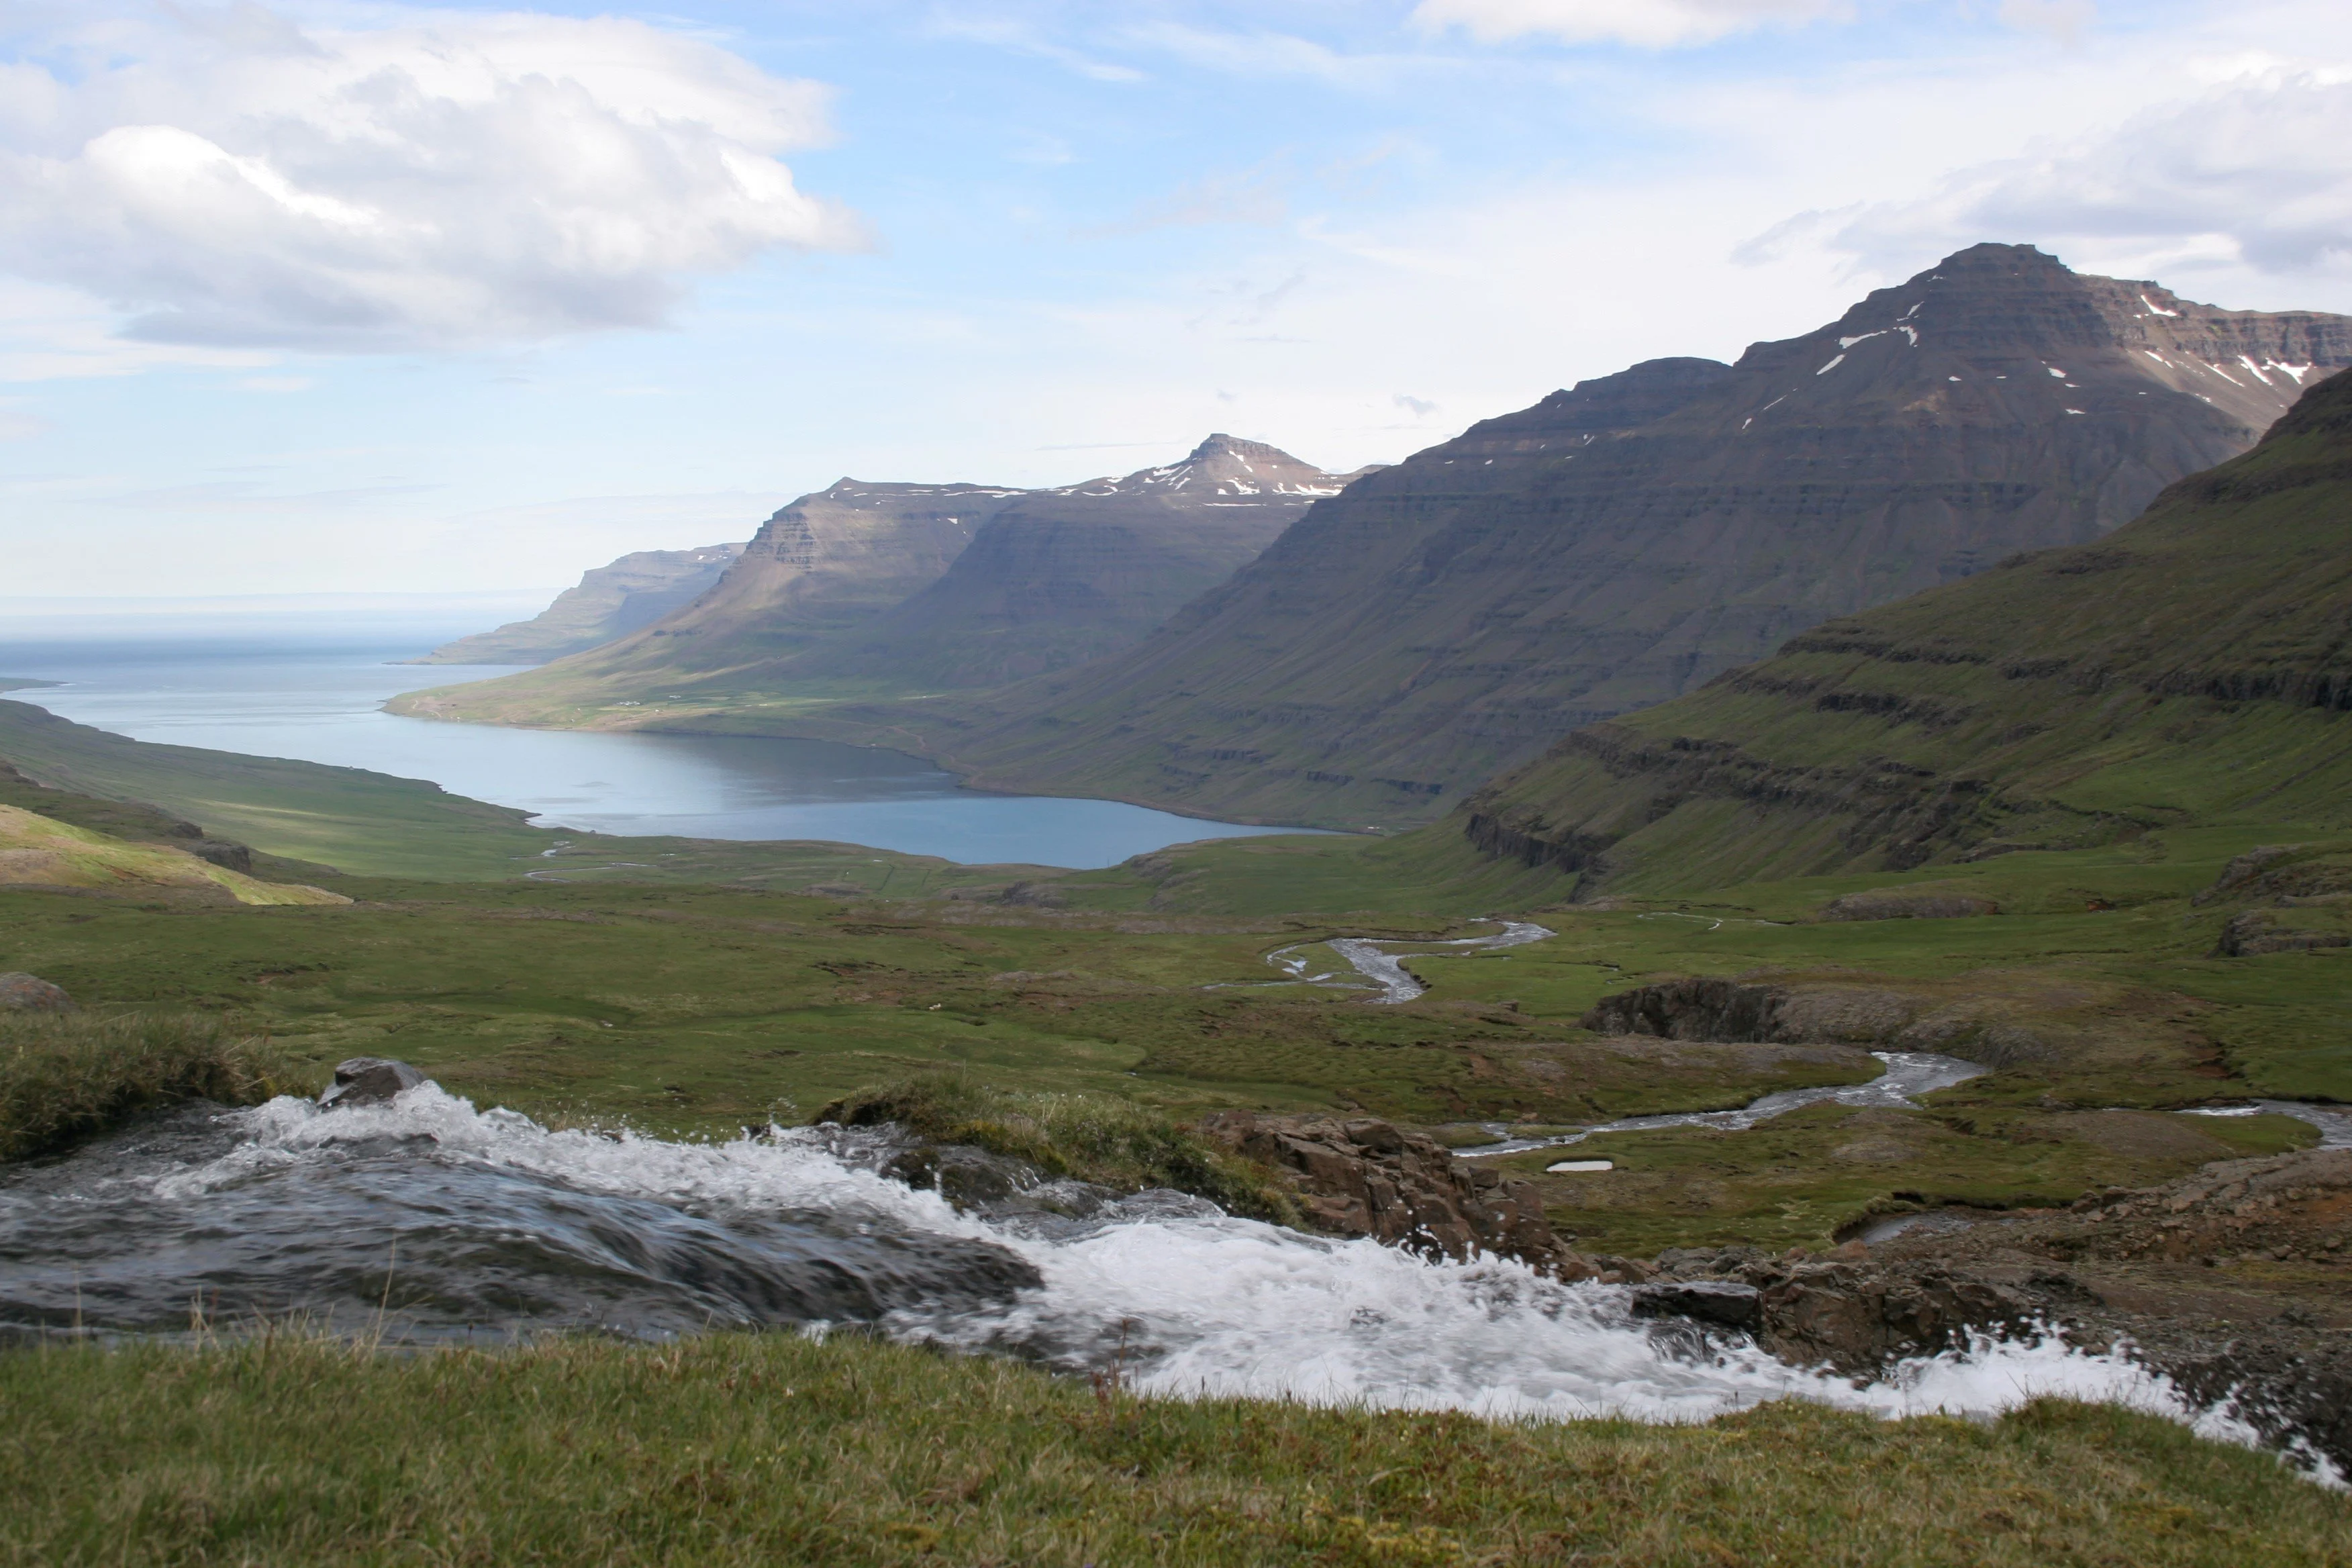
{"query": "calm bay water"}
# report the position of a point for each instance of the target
(319, 701)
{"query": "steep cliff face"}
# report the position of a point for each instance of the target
(2193, 667)
(1064, 575)
(635, 591)
(1625, 541)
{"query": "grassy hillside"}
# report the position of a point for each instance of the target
(40, 851)
(2193, 669)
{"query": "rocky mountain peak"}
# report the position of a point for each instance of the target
(2015, 325)
(1225, 466)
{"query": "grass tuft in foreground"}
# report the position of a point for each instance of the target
(779, 1450)
(1093, 1138)
(64, 1078)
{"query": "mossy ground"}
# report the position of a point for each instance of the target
(739, 1449)
(698, 1010)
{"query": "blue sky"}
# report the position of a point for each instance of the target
(333, 298)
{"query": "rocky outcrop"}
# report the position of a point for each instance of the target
(369, 1080)
(2258, 932)
(1366, 1177)
(1733, 1012)
(226, 853)
(31, 994)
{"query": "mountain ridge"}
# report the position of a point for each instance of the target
(1624, 541)
(878, 590)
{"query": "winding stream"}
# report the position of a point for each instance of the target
(1369, 957)
(431, 1220)
(1908, 1074)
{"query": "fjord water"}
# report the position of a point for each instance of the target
(426, 1220)
(317, 700)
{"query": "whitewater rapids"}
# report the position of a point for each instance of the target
(432, 1221)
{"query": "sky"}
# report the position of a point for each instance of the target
(344, 299)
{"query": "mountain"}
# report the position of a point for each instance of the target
(1624, 541)
(883, 590)
(2190, 669)
(1064, 575)
(636, 590)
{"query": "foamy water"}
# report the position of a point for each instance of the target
(405, 1198)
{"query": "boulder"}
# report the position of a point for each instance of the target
(31, 994)
(1366, 1177)
(369, 1080)
(1858, 1318)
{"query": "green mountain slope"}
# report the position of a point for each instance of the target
(2193, 669)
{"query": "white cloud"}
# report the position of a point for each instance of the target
(2251, 177)
(231, 181)
(1259, 54)
(1647, 23)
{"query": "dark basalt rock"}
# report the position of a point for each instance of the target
(31, 994)
(1364, 1177)
(369, 1080)
(1724, 1302)
(1858, 1318)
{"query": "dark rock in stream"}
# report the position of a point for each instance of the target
(369, 1080)
(1722, 1301)
(1364, 1177)
(31, 994)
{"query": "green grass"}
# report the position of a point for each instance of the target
(735, 1450)
(64, 1077)
(1111, 1142)
(1798, 1179)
